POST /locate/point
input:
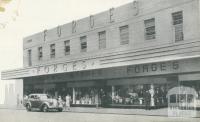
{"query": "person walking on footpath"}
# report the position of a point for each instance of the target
(147, 100)
(67, 103)
(96, 99)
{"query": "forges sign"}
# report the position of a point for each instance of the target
(85, 65)
(66, 67)
(111, 16)
(153, 67)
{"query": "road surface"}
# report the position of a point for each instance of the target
(12, 115)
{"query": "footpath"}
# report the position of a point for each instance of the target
(100, 110)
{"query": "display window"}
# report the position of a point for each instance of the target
(129, 94)
(136, 94)
(160, 94)
(85, 95)
(92, 95)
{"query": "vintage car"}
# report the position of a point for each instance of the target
(43, 102)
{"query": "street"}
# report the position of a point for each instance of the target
(11, 115)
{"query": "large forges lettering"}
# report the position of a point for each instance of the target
(74, 66)
(59, 31)
(65, 67)
(55, 68)
(45, 34)
(46, 69)
(111, 15)
(136, 8)
(91, 21)
(73, 26)
(163, 66)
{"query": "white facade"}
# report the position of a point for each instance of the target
(138, 51)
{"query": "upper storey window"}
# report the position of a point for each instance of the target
(150, 32)
(29, 58)
(52, 51)
(124, 34)
(83, 40)
(67, 47)
(40, 54)
(178, 25)
(102, 40)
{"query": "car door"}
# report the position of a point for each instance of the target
(37, 101)
(34, 101)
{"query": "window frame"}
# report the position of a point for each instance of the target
(102, 39)
(52, 51)
(40, 53)
(124, 34)
(83, 43)
(67, 48)
(177, 22)
(150, 29)
(29, 57)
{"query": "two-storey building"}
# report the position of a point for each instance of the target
(115, 57)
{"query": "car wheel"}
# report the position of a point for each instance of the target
(28, 107)
(60, 109)
(45, 108)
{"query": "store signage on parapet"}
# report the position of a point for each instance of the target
(66, 67)
(111, 16)
(153, 67)
(94, 64)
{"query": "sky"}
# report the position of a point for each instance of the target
(22, 18)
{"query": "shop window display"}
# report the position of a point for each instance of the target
(92, 96)
(135, 94)
(85, 96)
(129, 95)
(160, 96)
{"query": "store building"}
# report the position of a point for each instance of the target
(113, 58)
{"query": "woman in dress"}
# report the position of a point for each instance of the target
(67, 103)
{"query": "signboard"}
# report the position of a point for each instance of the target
(65, 67)
(150, 69)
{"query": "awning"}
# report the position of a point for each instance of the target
(85, 84)
(132, 81)
(189, 77)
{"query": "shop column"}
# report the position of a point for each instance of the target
(113, 92)
(56, 94)
(73, 96)
(152, 92)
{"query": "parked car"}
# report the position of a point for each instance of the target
(43, 102)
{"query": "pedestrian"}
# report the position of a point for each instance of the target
(67, 102)
(60, 101)
(97, 98)
(102, 96)
(147, 100)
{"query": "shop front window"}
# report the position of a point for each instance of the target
(85, 96)
(93, 96)
(160, 95)
(129, 95)
(136, 94)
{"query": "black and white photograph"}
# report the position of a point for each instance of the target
(100, 60)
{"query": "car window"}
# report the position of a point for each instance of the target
(48, 96)
(37, 97)
(31, 96)
(43, 97)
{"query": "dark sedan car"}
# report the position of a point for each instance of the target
(43, 102)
